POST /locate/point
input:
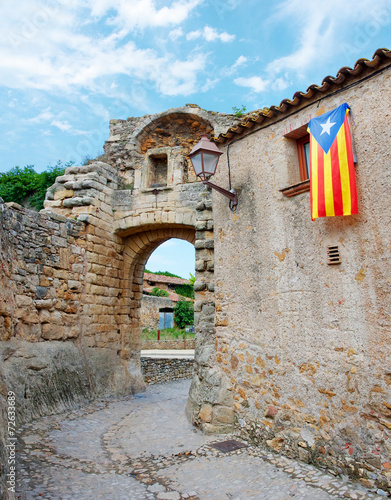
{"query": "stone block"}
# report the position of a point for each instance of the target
(200, 265)
(23, 300)
(199, 286)
(64, 193)
(223, 415)
(51, 331)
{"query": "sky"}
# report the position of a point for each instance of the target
(69, 66)
(175, 256)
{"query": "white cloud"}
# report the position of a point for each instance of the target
(181, 78)
(324, 27)
(175, 34)
(255, 83)
(239, 63)
(60, 55)
(44, 116)
(141, 14)
(210, 35)
(281, 83)
(63, 126)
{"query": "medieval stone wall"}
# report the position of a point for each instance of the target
(71, 276)
(305, 346)
(157, 371)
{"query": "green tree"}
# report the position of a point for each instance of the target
(183, 314)
(158, 292)
(27, 187)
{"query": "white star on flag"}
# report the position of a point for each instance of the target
(327, 126)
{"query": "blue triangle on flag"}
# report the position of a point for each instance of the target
(325, 128)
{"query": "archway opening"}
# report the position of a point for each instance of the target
(174, 256)
(168, 287)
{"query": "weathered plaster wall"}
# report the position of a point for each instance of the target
(306, 347)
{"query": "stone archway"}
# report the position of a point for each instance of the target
(138, 247)
(140, 194)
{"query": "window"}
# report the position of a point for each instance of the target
(298, 152)
(303, 150)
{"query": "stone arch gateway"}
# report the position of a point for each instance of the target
(74, 276)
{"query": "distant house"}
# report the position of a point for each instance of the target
(158, 312)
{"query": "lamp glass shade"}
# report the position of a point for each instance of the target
(196, 161)
(210, 163)
(204, 158)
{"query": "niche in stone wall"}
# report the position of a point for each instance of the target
(162, 169)
(158, 170)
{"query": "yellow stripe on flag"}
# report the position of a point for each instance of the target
(344, 172)
(328, 186)
(314, 178)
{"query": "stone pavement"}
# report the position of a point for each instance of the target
(142, 447)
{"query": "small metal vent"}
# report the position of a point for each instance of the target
(229, 445)
(333, 255)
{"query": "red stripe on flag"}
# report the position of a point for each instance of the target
(321, 200)
(352, 177)
(336, 179)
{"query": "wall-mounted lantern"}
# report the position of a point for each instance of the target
(204, 158)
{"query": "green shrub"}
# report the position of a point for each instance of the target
(26, 186)
(157, 292)
(183, 314)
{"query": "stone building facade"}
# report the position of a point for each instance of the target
(289, 350)
(304, 346)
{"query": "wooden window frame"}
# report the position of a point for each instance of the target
(301, 137)
(301, 153)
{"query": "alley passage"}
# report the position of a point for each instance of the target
(142, 447)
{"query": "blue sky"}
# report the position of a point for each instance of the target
(68, 66)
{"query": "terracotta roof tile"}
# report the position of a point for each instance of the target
(159, 278)
(171, 295)
(380, 57)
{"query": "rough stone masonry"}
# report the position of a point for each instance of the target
(291, 351)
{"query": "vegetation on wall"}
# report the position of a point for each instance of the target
(239, 111)
(158, 292)
(183, 314)
(185, 291)
(27, 187)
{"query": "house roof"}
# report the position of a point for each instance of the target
(171, 295)
(363, 67)
(159, 278)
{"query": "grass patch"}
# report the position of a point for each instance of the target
(166, 334)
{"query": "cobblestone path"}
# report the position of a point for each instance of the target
(142, 447)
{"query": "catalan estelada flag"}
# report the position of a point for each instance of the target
(332, 178)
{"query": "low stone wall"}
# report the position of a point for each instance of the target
(168, 344)
(156, 371)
